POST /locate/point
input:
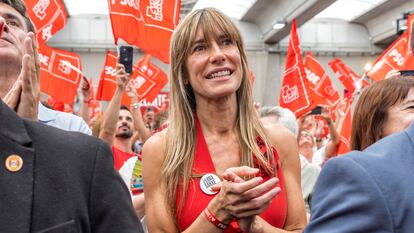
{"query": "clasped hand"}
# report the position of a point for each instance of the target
(243, 198)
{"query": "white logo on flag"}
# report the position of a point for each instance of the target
(63, 67)
(137, 83)
(290, 94)
(329, 90)
(40, 8)
(47, 32)
(154, 10)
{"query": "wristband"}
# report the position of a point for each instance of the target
(135, 105)
(211, 218)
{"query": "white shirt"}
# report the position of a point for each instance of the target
(62, 120)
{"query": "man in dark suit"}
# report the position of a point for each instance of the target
(58, 181)
(370, 191)
(51, 181)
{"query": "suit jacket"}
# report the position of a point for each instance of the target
(67, 183)
(368, 192)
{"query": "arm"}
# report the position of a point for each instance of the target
(143, 132)
(347, 199)
(111, 114)
(330, 149)
(285, 143)
(110, 206)
(84, 110)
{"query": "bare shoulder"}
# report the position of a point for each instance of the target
(154, 148)
(283, 140)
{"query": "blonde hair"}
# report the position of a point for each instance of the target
(181, 135)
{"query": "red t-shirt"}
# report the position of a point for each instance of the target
(120, 157)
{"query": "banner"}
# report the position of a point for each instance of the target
(150, 73)
(60, 73)
(393, 58)
(147, 79)
(48, 17)
(319, 82)
(294, 93)
(349, 79)
(409, 64)
(344, 145)
(147, 24)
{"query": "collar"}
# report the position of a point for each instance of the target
(410, 132)
(12, 126)
(45, 114)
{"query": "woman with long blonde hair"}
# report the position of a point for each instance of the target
(216, 168)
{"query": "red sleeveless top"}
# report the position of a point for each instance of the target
(196, 200)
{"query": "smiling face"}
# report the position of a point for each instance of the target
(13, 35)
(400, 115)
(214, 65)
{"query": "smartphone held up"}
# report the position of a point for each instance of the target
(126, 57)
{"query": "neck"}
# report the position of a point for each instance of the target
(306, 151)
(123, 144)
(8, 76)
(217, 116)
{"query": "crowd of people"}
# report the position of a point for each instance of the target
(214, 161)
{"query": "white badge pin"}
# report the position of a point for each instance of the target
(207, 181)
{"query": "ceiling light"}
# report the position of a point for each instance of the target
(279, 25)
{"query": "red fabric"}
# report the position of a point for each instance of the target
(196, 201)
(393, 58)
(324, 91)
(48, 17)
(348, 78)
(120, 157)
(59, 73)
(344, 145)
(151, 80)
(294, 93)
(107, 81)
(409, 63)
(147, 24)
(147, 78)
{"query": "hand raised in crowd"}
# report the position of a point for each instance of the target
(25, 93)
(86, 89)
(131, 92)
(341, 109)
(122, 77)
(243, 198)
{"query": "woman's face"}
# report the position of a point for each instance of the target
(400, 116)
(214, 66)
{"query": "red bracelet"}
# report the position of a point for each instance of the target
(210, 217)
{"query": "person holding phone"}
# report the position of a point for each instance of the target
(216, 168)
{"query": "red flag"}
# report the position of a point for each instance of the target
(393, 58)
(294, 93)
(409, 63)
(319, 82)
(60, 73)
(48, 17)
(147, 24)
(147, 79)
(344, 145)
(151, 74)
(349, 79)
